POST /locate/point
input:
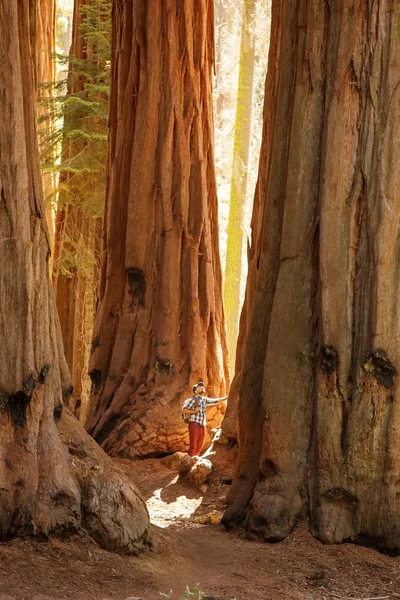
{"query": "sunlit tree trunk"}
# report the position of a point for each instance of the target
(54, 478)
(160, 321)
(240, 161)
(46, 75)
(319, 421)
(77, 236)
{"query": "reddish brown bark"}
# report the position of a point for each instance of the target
(160, 322)
(318, 417)
(77, 230)
(54, 478)
(76, 295)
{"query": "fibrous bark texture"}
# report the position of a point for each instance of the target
(318, 416)
(54, 478)
(160, 322)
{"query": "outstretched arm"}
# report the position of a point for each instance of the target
(214, 401)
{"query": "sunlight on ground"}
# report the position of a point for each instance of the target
(166, 508)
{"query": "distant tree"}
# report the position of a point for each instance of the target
(318, 410)
(54, 477)
(240, 162)
(46, 75)
(160, 321)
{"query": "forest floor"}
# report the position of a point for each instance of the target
(189, 553)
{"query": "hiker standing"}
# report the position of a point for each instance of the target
(195, 410)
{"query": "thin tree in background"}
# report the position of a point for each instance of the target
(240, 161)
(318, 399)
(160, 322)
(54, 477)
(46, 75)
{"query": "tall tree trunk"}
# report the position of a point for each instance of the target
(77, 237)
(160, 322)
(318, 389)
(240, 163)
(54, 478)
(46, 75)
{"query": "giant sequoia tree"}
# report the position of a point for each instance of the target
(160, 322)
(54, 478)
(319, 405)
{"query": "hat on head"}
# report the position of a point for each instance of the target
(194, 388)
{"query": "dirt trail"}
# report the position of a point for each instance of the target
(188, 553)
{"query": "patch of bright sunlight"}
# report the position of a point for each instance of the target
(169, 504)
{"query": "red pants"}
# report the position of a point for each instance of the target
(196, 438)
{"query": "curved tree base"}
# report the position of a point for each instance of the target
(75, 485)
(149, 424)
(112, 509)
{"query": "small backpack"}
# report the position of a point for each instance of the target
(185, 417)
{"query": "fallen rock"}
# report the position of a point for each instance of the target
(200, 471)
(187, 463)
(173, 461)
(195, 469)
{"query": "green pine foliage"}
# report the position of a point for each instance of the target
(74, 145)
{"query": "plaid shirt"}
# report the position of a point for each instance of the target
(202, 402)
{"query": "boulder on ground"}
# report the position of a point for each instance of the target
(187, 463)
(195, 469)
